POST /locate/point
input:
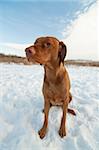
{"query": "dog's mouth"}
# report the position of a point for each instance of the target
(34, 59)
(29, 58)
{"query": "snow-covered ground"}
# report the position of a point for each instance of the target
(21, 104)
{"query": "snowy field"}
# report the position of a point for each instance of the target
(21, 104)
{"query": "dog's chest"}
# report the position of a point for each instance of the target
(58, 95)
(55, 93)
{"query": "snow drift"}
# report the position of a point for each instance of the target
(21, 104)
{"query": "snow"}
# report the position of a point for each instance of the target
(21, 104)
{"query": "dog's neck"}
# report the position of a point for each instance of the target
(54, 71)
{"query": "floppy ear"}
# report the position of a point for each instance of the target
(62, 52)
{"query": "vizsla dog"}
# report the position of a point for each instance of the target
(50, 52)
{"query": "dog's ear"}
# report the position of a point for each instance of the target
(62, 52)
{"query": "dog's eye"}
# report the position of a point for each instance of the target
(47, 45)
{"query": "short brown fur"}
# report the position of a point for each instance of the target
(50, 52)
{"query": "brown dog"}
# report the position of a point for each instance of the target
(50, 52)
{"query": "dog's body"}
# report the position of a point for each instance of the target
(56, 87)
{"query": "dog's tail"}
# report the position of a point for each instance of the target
(71, 111)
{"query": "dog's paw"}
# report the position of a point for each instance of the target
(62, 132)
(42, 133)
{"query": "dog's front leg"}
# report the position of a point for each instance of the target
(43, 130)
(62, 130)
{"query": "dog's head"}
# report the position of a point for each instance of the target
(46, 50)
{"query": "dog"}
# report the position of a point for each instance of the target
(51, 52)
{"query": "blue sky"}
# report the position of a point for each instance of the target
(23, 21)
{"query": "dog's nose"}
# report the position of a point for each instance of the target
(27, 50)
(30, 51)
